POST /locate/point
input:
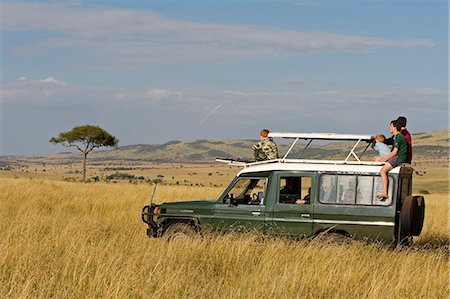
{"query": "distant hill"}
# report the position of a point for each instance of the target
(430, 144)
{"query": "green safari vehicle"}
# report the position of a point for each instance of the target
(302, 198)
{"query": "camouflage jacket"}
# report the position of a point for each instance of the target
(268, 147)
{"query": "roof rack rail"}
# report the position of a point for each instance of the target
(303, 161)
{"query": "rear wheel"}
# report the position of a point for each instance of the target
(419, 216)
(179, 231)
(412, 216)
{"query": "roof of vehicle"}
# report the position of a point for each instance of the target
(316, 165)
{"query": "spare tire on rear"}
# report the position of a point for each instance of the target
(412, 216)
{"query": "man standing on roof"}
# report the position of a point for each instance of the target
(390, 141)
(265, 149)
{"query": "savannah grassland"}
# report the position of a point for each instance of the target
(69, 239)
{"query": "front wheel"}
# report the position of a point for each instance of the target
(179, 232)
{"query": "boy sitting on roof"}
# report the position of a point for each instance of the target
(390, 141)
(398, 156)
(265, 149)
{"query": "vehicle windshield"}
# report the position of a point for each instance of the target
(247, 188)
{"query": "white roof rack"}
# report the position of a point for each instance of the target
(311, 137)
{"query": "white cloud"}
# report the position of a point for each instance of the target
(135, 37)
(246, 103)
(336, 101)
(52, 80)
(161, 93)
(173, 114)
(244, 93)
(44, 91)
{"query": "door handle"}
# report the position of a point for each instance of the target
(305, 215)
(256, 213)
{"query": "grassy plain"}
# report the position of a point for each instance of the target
(69, 239)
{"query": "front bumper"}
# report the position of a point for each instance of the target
(148, 216)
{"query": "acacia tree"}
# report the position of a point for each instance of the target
(85, 139)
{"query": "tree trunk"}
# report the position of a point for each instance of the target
(84, 167)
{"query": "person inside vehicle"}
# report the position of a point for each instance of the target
(398, 156)
(265, 149)
(306, 200)
(290, 187)
(290, 191)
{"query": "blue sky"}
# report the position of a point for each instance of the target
(155, 71)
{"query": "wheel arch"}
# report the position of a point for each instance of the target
(167, 222)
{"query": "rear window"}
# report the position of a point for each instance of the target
(353, 190)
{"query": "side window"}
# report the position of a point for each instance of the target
(295, 190)
(346, 189)
(352, 189)
(328, 188)
(378, 188)
(248, 191)
(364, 193)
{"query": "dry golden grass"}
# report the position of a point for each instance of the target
(61, 239)
(174, 173)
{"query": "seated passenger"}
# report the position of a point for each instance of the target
(390, 141)
(290, 192)
(380, 146)
(265, 149)
(398, 156)
(290, 187)
(306, 200)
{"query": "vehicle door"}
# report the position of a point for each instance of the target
(242, 206)
(292, 213)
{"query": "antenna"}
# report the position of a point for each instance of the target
(153, 194)
(154, 190)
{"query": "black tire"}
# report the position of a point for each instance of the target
(335, 238)
(419, 216)
(412, 216)
(179, 231)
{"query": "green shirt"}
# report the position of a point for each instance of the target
(402, 145)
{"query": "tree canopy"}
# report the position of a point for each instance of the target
(85, 139)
